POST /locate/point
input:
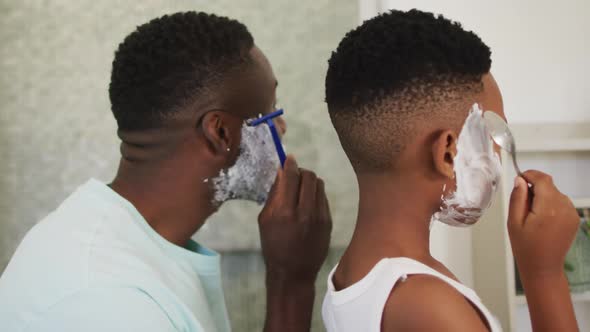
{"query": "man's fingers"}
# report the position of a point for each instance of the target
(307, 193)
(518, 209)
(283, 195)
(287, 184)
(322, 204)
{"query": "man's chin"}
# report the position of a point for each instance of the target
(259, 199)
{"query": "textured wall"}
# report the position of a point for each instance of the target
(56, 129)
(243, 281)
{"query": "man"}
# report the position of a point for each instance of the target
(405, 92)
(120, 257)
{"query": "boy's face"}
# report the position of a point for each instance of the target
(476, 166)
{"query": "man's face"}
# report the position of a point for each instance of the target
(252, 174)
(253, 92)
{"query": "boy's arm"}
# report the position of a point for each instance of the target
(426, 303)
(542, 228)
(549, 302)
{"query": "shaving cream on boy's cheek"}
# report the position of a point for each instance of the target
(254, 172)
(477, 172)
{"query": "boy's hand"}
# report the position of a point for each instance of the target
(542, 231)
(295, 225)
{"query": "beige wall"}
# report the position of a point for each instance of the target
(56, 129)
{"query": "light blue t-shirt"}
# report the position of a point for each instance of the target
(94, 264)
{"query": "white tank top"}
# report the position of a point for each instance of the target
(359, 307)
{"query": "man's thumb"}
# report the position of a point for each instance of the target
(518, 209)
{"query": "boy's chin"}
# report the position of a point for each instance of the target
(467, 221)
(462, 217)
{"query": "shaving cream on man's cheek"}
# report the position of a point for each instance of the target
(254, 172)
(478, 171)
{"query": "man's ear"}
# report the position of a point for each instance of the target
(444, 151)
(219, 130)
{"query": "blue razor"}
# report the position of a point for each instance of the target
(268, 119)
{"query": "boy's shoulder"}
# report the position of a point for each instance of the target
(425, 302)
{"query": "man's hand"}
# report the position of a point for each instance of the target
(542, 226)
(295, 226)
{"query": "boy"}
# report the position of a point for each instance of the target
(405, 92)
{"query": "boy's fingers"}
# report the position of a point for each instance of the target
(543, 189)
(518, 209)
(535, 177)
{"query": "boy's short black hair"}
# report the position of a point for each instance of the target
(166, 63)
(386, 70)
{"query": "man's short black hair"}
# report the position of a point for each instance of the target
(386, 70)
(166, 63)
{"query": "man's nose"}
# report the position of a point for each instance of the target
(281, 125)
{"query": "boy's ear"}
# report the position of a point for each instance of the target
(219, 130)
(444, 151)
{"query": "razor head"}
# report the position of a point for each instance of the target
(263, 119)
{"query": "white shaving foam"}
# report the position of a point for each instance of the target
(254, 172)
(478, 171)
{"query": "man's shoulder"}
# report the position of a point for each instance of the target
(81, 209)
(104, 309)
(53, 258)
(63, 234)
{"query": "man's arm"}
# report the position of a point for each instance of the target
(289, 304)
(295, 227)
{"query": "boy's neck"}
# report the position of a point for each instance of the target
(394, 214)
(393, 221)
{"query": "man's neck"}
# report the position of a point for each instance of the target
(173, 203)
